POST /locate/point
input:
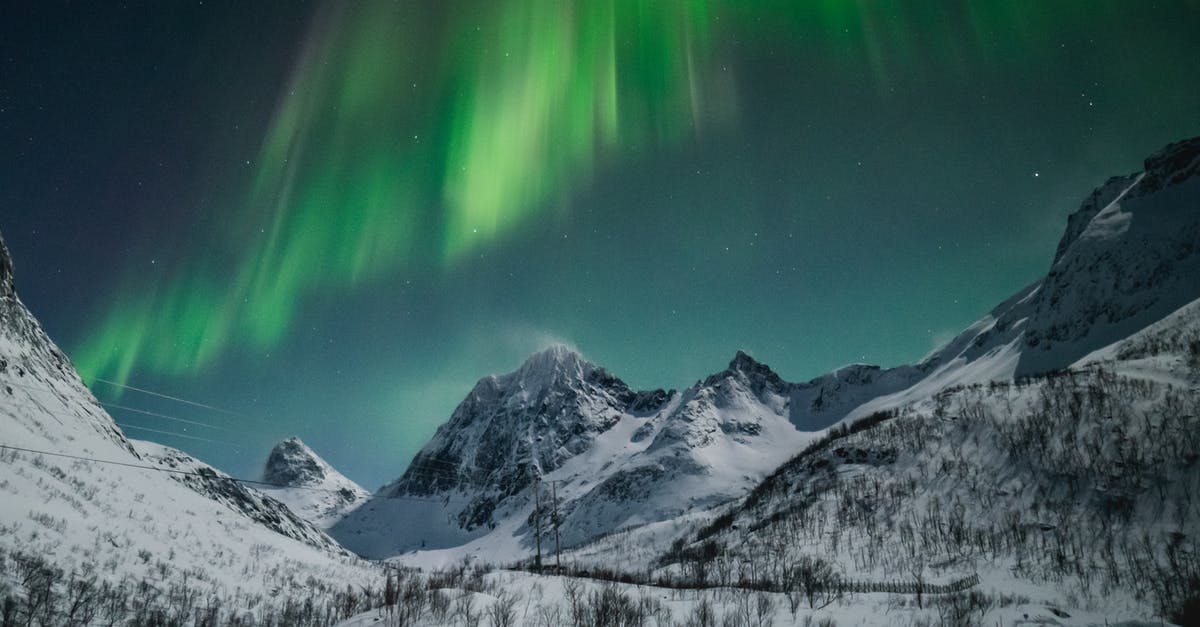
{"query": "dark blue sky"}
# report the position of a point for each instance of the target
(850, 186)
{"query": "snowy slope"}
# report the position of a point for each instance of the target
(619, 458)
(1053, 447)
(1128, 257)
(1075, 490)
(612, 456)
(1078, 486)
(128, 521)
(308, 485)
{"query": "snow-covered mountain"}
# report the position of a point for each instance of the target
(308, 485)
(1130, 256)
(611, 456)
(77, 494)
(1075, 489)
(618, 458)
(1052, 448)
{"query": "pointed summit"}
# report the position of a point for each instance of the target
(308, 485)
(757, 374)
(745, 363)
(293, 464)
(7, 286)
(554, 358)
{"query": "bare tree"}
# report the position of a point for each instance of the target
(503, 611)
(814, 577)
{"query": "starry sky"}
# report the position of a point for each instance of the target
(330, 219)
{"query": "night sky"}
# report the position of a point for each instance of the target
(329, 220)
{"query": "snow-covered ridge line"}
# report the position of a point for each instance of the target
(620, 458)
(613, 457)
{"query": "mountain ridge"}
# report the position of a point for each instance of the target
(78, 494)
(704, 430)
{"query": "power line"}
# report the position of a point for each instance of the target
(132, 409)
(169, 397)
(168, 417)
(174, 434)
(219, 476)
(426, 473)
(143, 412)
(435, 464)
(432, 468)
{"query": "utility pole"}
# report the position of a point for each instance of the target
(557, 555)
(537, 518)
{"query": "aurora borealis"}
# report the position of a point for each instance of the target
(333, 218)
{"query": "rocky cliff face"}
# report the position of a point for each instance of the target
(7, 286)
(512, 426)
(1132, 263)
(308, 485)
(613, 456)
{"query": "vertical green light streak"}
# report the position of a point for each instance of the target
(405, 143)
(555, 85)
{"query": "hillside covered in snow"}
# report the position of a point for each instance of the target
(1053, 448)
(146, 529)
(1040, 468)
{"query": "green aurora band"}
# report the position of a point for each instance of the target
(406, 140)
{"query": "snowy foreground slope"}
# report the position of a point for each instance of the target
(524, 599)
(168, 539)
(308, 485)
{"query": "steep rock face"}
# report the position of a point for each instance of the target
(44, 398)
(7, 286)
(308, 485)
(1132, 264)
(550, 409)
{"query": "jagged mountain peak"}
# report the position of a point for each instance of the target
(759, 376)
(308, 485)
(552, 365)
(549, 409)
(1172, 165)
(556, 371)
(742, 361)
(7, 285)
(293, 464)
(552, 356)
